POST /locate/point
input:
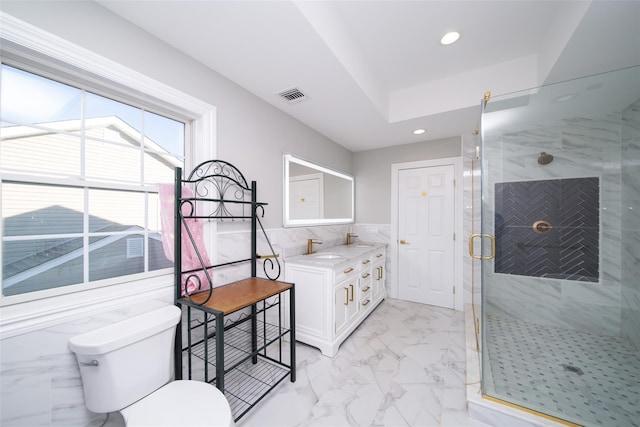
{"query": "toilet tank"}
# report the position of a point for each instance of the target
(123, 362)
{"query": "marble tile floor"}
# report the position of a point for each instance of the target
(404, 366)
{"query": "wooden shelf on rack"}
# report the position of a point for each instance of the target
(238, 295)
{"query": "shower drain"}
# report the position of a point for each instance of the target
(573, 369)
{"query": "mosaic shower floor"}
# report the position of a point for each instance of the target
(586, 379)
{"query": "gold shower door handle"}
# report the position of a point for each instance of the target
(492, 239)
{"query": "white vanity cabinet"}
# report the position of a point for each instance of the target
(335, 293)
(378, 274)
(345, 303)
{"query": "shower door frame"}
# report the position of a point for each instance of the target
(571, 148)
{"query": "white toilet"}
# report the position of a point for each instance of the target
(127, 367)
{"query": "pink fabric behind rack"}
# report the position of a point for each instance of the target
(190, 258)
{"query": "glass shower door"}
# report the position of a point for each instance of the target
(560, 288)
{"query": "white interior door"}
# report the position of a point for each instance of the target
(305, 197)
(426, 204)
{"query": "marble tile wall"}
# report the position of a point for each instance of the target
(40, 382)
(471, 270)
(582, 146)
(289, 242)
(630, 326)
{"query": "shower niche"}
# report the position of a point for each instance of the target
(548, 228)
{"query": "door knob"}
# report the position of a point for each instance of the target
(403, 242)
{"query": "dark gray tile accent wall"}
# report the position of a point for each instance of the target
(570, 250)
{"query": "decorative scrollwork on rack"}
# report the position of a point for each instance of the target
(195, 278)
(218, 168)
(217, 181)
(192, 280)
(214, 190)
(268, 259)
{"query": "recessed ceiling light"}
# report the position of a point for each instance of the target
(450, 38)
(419, 131)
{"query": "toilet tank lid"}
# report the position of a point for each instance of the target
(125, 332)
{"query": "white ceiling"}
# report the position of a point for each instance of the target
(374, 70)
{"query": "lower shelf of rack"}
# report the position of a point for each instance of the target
(245, 383)
(248, 383)
(237, 347)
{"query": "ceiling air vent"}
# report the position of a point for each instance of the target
(293, 95)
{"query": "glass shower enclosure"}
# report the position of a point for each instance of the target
(561, 249)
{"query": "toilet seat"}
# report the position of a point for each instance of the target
(180, 404)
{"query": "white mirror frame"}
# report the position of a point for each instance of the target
(290, 222)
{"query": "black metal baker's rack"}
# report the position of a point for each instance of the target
(236, 334)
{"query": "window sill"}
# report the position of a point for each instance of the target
(21, 318)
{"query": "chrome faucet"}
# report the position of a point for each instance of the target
(349, 237)
(310, 243)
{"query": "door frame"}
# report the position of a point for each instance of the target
(456, 162)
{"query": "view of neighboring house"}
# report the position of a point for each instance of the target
(57, 234)
(46, 263)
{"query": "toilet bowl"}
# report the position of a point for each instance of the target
(190, 403)
(127, 367)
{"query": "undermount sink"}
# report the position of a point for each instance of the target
(326, 256)
(362, 245)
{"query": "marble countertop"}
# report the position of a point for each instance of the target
(336, 255)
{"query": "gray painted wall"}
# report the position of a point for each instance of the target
(251, 133)
(372, 170)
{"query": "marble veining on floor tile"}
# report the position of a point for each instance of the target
(404, 366)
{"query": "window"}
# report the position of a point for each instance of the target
(79, 201)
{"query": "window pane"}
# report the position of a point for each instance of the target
(125, 117)
(159, 168)
(108, 256)
(33, 265)
(166, 133)
(29, 149)
(29, 209)
(157, 258)
(111, 210)
(90, 141)
(111, 129)
(111, 162)
(27, 98)
(153, 215)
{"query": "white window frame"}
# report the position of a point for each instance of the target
(22, 313)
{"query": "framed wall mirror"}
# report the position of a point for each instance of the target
(315, 195)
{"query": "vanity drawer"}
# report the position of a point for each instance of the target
(346, 272)
(365, 288)
(366, 262)
(366, 295)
